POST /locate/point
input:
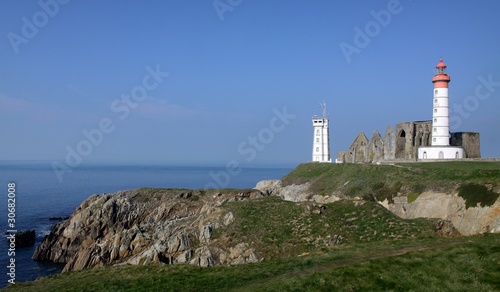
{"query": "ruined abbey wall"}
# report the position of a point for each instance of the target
(402, 144)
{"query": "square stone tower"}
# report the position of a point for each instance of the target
(321, 142)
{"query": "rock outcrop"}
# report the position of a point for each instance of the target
(295, 193)
(445, 206)
(25, 238)
(468, 221)
(167, 226)
(147, 226)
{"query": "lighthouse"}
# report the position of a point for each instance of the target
(321, 142)
(440, 115)
(440, 144)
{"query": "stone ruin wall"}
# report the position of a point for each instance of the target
(403, 143)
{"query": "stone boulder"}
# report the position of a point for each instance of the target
(294, 193)
(25, 238)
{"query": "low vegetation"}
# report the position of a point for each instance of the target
(475, 194)
(278, 228)
(386, 181)
(430, 264)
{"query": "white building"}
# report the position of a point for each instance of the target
(440, 145)
(321, 142)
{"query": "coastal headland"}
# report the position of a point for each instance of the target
(358, 212)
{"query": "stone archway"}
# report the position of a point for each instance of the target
(400, 151)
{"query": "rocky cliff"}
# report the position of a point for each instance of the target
(147, 226)
(447, 206)
(225, 227)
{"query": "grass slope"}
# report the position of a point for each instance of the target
(385, 181)
(444, 264)
(278, 228)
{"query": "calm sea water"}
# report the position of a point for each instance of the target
(40, 195)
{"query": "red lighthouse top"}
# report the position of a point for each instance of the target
(441, 64)
(441, 79)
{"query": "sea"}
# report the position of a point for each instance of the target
(41, 196)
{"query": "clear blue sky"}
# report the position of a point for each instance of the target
(228, 72)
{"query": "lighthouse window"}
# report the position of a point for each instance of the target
(433, 139)
(436, 100)
(435, 130)
(317, 140)
(435, 110)
(317, 132)
(435, 120)
(435, 92)
(317, 149)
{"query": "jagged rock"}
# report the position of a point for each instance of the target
(25, 238)
(294, 193)
(149, 226)
(241, 253)
(228, 218)
(205, 233)
(204, 257)
(268, 186)
(184, 257)
(445, 228)
(467, 221)
(145, 227)
(57, 218)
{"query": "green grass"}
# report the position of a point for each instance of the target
(412, 197)
(471, 265)
(477, 194)
(278, 228)
(386, 181)
(430, 264)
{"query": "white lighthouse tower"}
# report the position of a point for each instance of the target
(321, 142)
(440, 116)
(440, 145)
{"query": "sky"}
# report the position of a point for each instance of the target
(218, 82)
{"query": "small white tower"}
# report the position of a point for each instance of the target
(321, 142)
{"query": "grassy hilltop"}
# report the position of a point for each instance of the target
(342, 246)
(409, 179)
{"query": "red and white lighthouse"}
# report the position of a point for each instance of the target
(440, 116)
(440, 146)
